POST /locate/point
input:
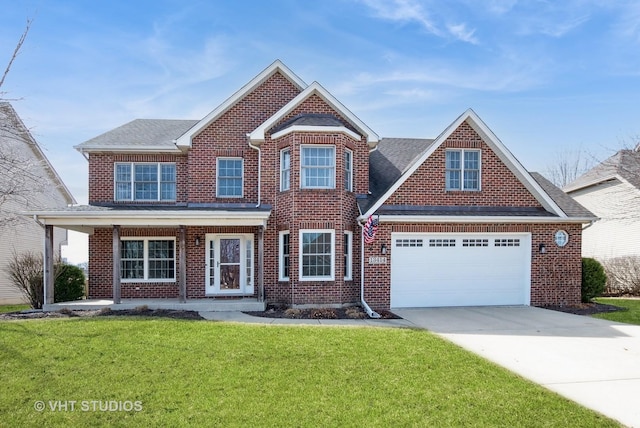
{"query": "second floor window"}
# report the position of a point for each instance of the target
(145, 182)
(285, 170)
(348, 170)
(229, 178)
(462, 169)
(318, 167)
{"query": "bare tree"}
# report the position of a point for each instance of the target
(568, 166)
(23, 175)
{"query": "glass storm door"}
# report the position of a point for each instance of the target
(229, 264)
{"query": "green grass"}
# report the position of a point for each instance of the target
(630, 316)
(13, 308)
(195, 373)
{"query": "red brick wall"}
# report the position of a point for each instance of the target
(499, 186)
(227, 137)
(555, 276)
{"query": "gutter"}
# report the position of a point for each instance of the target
(367, 308)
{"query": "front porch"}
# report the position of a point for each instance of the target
(198, 305)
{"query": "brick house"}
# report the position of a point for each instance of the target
(266, 198)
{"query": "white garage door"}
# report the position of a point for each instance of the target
(460, 269)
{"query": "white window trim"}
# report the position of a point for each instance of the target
(462, 188)
(349, 188)
(132, 187)
(349, 266)
(282, 152)
(332, 185)
(330, 277)
(146, 240)
(281, 235)
(218, 177)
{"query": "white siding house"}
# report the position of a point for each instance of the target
(27, 181)
(611, 191)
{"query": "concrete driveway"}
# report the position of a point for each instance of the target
(593, 362)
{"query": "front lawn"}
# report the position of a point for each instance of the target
(13, 308)
(195, 373)
(630, 316)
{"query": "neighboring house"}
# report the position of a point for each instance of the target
(266, 198)
(611, 190)
(27, 182)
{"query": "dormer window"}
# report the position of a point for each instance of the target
(318, 169)
(462, 171)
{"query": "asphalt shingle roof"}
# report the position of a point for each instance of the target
(141, 133)
(564, 201)
(625, 163)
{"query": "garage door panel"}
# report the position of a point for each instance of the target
(492, 269)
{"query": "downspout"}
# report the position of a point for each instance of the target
(259, 167)
(367, 308)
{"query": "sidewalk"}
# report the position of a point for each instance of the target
(235, 316)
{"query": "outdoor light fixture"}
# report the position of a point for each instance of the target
(383, 249)
(197, 241)
(542, 248)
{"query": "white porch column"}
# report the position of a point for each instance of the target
(182, 284)
(48, 265)
(261, 264)
(116, 264)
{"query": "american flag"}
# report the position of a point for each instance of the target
(369, 230)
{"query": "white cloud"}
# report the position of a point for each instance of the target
(406, 11)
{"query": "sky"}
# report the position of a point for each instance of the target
(548, 77)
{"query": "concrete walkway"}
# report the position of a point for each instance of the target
(242, 317)
(593, 362)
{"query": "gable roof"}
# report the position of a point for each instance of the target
(258, 135)
(496, 145)
(155, 135)
(12, 128)
(625, 164)
(276, 67)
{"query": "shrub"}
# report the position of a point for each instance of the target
(324, 313)
(25, 271)
(623, 276)
(593, 279)
(69, 283)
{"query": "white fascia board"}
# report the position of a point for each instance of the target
(322, 129)
(257, 136)
(492, 141)
(129, 149)
(276, 66)
(154, 219)
(477, 219)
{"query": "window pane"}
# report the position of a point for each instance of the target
(318, 167)
(132, 260)
(285, 170)
(453, 159)
(229, 177)
(471, 160)
(161, 259)
(146, 182)
(316, 254)
(347, 170)
(453, 179)
(167, 182)
(123, 182)
(471, 181)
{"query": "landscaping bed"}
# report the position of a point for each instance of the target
(351, 312)
(590, 308)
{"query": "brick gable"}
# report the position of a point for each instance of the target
(499, 186)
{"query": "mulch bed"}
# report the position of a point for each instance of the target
(586, 308)
(351, 312)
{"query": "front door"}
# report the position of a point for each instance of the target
(229, 264)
